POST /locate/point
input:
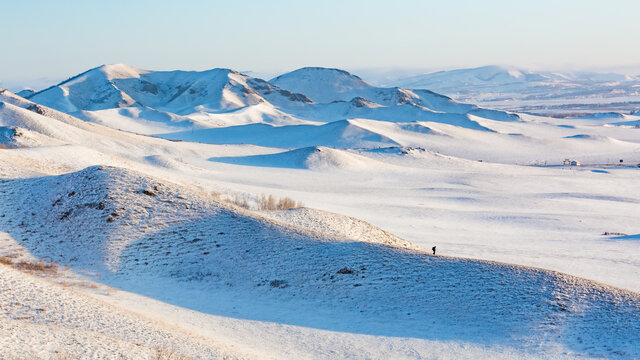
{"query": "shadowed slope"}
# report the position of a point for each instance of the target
(185, 248)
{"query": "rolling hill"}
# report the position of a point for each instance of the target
(151, 237)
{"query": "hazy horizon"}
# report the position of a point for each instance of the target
(52, 41)
(376, 76)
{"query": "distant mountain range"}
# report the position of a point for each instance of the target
(122, 97)
(325, 107)
(551, 93)
(171, 94)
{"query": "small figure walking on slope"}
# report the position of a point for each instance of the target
(434, 250)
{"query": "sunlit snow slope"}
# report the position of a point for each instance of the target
(151, 237)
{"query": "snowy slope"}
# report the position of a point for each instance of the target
(410, 112)
(342, 226)
(483, 139)
(491, 228)
(344, 134)
(186, 249)
(50, 318)
(532, 138)
(318, 158)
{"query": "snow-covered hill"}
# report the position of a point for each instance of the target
(325, 85)
(317, 158)
(151, 237)
(342, 134)
(556, 93)
(43, 319)
(430, 130)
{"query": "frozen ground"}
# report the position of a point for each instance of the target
(150, 219)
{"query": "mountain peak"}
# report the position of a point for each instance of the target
(120, 71)
(321, 84)
(181, 92)
(324, 70)
(106, 72)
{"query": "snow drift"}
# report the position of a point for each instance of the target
(314, 158)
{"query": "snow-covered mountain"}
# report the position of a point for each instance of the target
(325, 85)
(516, 89)
(124, 97)
(179, 92)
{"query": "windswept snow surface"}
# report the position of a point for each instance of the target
(48, 318)
(150, 220)
(316, 158)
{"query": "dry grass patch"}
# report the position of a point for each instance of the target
(264, 202)
(272, 203)
(240, 201)
(32, 267)
(37, 266)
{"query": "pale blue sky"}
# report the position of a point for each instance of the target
(56, 39)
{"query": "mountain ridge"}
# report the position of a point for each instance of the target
(203, 97)
(546, 92)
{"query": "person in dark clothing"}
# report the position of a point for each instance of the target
(434, 250)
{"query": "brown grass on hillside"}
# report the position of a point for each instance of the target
(240, 201)
(266, 203)
(38, 266)
(272, 203)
